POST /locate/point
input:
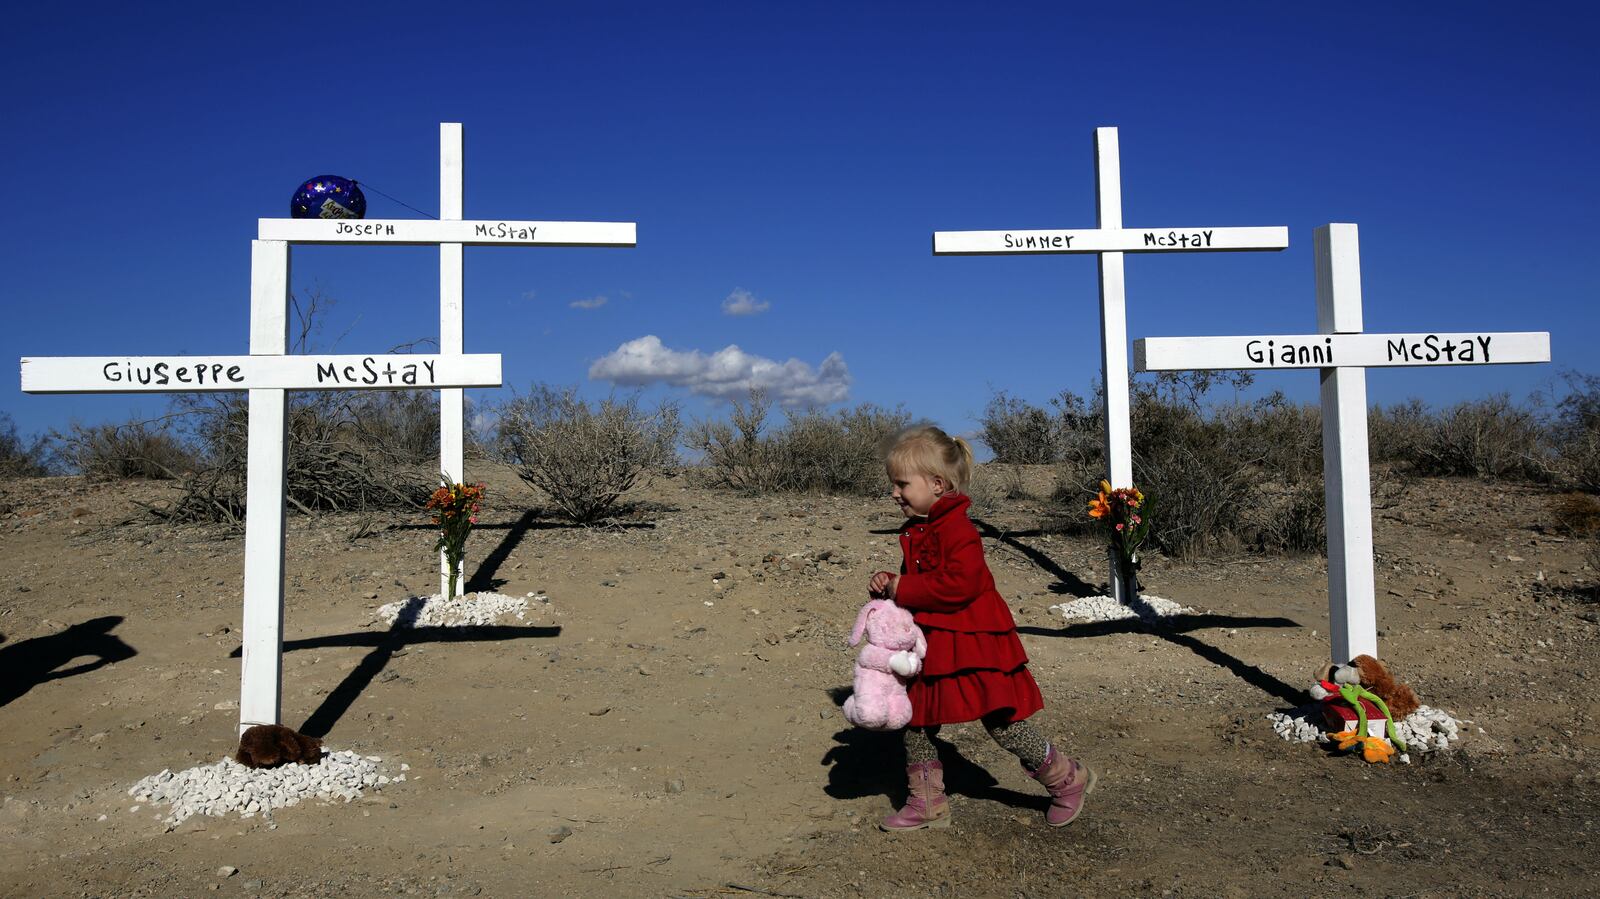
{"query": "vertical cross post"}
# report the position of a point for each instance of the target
(1346, 476)
(1343, 352)
(452, 412)
(1113, 334)
(1111, 241)
(261, 664)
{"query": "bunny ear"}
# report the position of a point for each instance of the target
(861, 622)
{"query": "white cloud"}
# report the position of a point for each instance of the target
(743, 302)
(594, 302)
(729, 373)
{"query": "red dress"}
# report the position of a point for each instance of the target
(975, 663)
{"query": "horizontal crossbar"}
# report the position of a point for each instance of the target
(1109, 240)
(184, 374)
(486, 232)
(1340, 350)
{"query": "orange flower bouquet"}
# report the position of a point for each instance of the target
(1124, 515)
(455, 510)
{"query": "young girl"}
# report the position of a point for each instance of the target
(975, 669)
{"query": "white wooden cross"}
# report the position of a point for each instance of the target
(450, 233)
(268, 372)
(1109, 241)
(1343, 354)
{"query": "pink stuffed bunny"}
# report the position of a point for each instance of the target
(894, 651)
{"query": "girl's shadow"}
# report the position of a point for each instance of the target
(872, 763)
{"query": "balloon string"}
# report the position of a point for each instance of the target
(368, 186)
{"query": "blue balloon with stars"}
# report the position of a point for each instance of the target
(328, 197)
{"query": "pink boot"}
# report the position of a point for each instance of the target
(927, 806)
(1068, 781)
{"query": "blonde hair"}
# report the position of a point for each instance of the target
(930, 452)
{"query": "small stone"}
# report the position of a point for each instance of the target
(675, 785)
(227, 871)
(558, 833)
(600, 711)
(98, 737)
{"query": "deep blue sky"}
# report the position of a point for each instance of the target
(804, 155)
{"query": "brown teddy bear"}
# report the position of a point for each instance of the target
(271, 745)
(1372, 674)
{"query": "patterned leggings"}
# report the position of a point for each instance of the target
(1019, 738)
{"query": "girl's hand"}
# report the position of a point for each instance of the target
(883, 584)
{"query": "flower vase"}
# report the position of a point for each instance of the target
(455, 578)
(1126, 589)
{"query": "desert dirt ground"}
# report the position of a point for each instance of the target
(684, 727)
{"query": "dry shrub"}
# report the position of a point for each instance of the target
(1018, 432)
(342, 454)
(1238, 476)
(586, 457)
(993, 484)
(813, 452)
(1487, 438)
(1397, 434)
(1575, 513)
(135, 449)
(22, 458)
(1576, 433)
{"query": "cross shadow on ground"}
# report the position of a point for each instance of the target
(484, 578)
(1175, 629)
(1066, 582)
(31, 662)
(873, 763)
(385, 644)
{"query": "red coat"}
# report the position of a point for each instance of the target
(975, 663)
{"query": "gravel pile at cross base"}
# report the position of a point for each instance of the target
(1426, 730)
(1105, 608)
(228, 786)
(469, 610)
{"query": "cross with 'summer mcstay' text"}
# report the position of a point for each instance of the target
(1343, 354)
(269, 372)
(1109, 241)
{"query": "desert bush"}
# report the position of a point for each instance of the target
(343, 453)
(1396, 434)
(1225, 478)
(1575, 513)
(404, 422)
(134, 449)
(733, 454)
(1576, 434)
(1292, 519)
(1019, 432)
(1487, 438)
(812, 452)
(1283, 439)
(993, 485)
(353, 450)
(21, 458)
(585, 457)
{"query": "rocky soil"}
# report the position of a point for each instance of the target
(663, 721)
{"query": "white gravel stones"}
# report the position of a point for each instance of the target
(1426, 730)
(1303, 725)
(227, 786)
(469, 610)
(1104, 608)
